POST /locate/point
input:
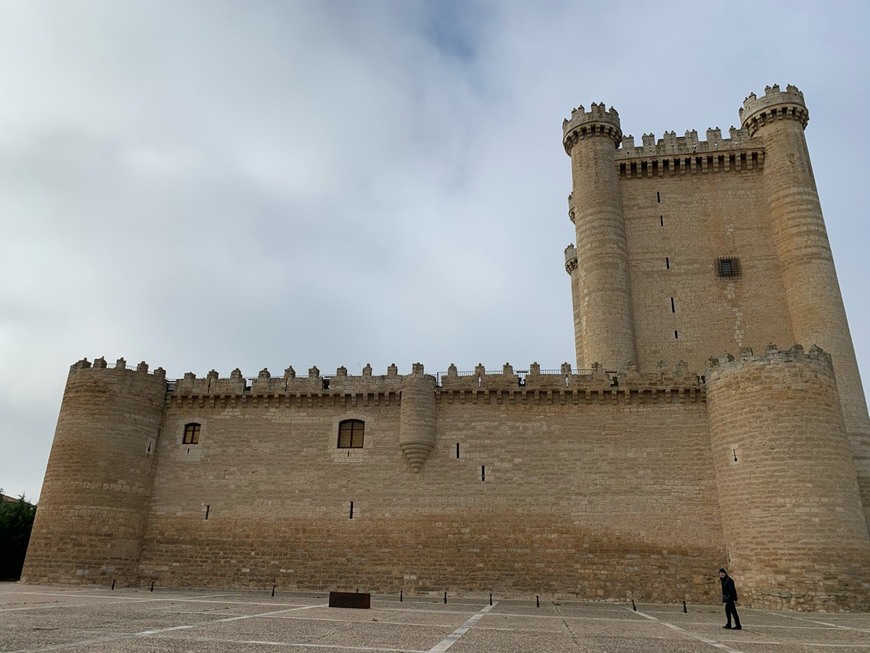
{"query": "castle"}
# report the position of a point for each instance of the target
(637, 473)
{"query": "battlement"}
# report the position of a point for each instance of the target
(775, 104)
(624, 385)
(772, 355)
(598, 121)
(532, 380)
(679, 155)
(264, 384)
(688, 144)
(120, 364)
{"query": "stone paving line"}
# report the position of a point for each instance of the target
(772, 631)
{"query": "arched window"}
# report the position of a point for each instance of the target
(351, 433)
(191, 433)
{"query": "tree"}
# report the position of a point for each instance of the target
(16, 522)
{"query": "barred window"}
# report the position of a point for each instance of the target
(351, 433)
(191, 433)
(728, 267)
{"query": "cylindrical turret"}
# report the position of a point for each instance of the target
(812, 292)
(94, 498)
(791, 512)
(417, 417)
(603, 285)
(571, 269)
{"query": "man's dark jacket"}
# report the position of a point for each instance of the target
(729, 592)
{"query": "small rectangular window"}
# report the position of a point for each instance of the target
(728, 267)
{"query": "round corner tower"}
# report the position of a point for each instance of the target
(812, 291)
(789, 502)
(94, 499)
(601, 286)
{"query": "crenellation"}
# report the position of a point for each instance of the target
(773, 355)
(774, 105)
(597, 122)
(289, 384)
(670, 144)
(120, 364)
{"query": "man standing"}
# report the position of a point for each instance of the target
(729, 595)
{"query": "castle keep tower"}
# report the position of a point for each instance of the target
(688, 248)
(94, 500)
(599, 276)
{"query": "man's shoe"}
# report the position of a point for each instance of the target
(727, 626)
(738, 627)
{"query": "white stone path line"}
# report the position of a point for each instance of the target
(453, 637)
(157, 631)
(816, 621)
(685, 632)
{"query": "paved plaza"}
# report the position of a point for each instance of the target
(40, 618)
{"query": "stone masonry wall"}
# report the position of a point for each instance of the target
(572, 488)
(677, 226)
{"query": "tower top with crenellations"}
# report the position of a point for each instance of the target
(775, 104)
(598, 121)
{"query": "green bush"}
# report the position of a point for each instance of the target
(16, 521)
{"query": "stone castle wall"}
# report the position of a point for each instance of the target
(558, 488)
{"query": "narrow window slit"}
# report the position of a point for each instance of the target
(658, 197)
(483, 472)
(676, 336)
(207, 510)
(351, 510)
(457, 450)
(673, 306)
(667, 263)
(662, 220)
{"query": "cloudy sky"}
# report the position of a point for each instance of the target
(257, 184)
